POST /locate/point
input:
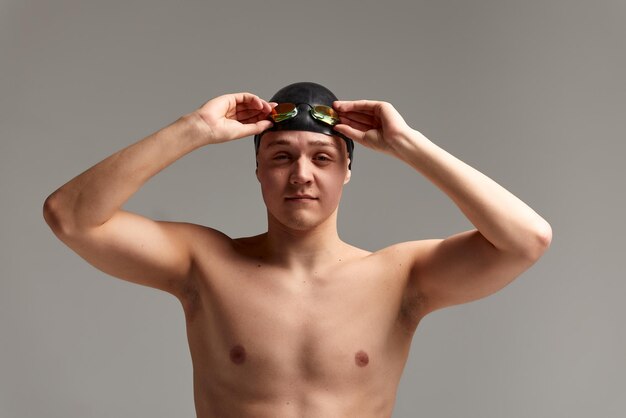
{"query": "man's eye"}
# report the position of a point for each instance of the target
(278, 157)
(323, 157)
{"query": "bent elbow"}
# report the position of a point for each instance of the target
(542, 241)
(51, 214)
(546, 235)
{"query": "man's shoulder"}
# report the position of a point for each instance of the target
(408, 251)
(199, 236)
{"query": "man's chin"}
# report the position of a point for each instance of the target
(300, 223)
(299, 220)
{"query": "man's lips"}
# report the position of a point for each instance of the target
(301, 198)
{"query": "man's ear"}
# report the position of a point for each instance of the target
(348, 175)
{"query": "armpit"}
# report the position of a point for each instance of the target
(412, 309)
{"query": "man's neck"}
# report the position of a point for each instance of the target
(303, 250)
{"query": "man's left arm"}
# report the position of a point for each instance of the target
(509, 236)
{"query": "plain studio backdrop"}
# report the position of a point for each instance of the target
(530, 93)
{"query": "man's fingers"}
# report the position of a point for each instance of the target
(350, 132)
(246, 114)
(251, 101)
(249, 113)
(248, 106)
(245, 97)
(254, 128)
(265, 106)
(357, 125)
(253, 118)
(363, 106)
(359, 117)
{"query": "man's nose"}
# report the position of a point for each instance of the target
(301, 170)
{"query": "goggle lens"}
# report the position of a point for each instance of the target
(283, 111)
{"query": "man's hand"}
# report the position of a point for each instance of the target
(375, 124)
(234, 116)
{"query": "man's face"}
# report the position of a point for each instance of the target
(292, 163)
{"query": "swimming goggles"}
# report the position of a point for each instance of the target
(322, 113)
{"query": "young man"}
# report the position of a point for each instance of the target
(295, 322)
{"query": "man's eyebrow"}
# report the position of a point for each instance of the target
(313, 142)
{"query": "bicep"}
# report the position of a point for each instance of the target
(462, 268)
(137, 249)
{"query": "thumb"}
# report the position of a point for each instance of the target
(350, 132)
(255, 128)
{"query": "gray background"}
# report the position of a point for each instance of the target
(530, 93)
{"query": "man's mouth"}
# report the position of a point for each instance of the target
(301, 198)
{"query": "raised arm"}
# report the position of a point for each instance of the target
(85, 212)
(509, 235)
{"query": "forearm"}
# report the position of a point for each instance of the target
(93, 197)
(503, 219)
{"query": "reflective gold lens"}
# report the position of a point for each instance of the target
(283, 111)
(326, 114)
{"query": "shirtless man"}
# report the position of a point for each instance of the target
(295, 322)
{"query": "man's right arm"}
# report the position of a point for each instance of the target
(86, 214)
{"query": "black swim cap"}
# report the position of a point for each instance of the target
(313, 94)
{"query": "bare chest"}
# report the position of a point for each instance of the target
(333, 328)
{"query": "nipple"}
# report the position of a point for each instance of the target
(361, 358)
(238, 354)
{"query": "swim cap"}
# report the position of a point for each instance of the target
(313, 94)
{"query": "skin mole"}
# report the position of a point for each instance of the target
(238, 354)
(361, 358)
